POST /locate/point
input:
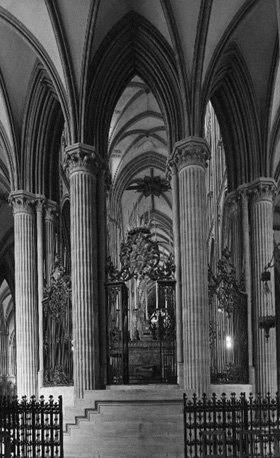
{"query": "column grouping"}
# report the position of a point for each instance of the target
(34, 233)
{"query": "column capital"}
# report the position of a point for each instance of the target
(191, 151)
(171, 168)
(107, 178)
(51, 208)
(40, 202)
(22, 201)
(243, 192)
(81, 157)
(262, 189)
(232, 200)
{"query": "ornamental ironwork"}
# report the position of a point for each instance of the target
(57, 328)
(150, 185)
(231, 426)
(140, 257)
(139, 254)
(228, 324)
(224, 284)
(141, 334)
(31, 428)
(117, 333)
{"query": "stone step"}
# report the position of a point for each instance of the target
(126, 423)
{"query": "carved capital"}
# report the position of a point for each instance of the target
(191, 151)
(243, 192)
(107, 179)
(232, 201)
(51, 208)
(22, 202)
(262, 189)
(80, 157)
(40, 203)
(171, 168)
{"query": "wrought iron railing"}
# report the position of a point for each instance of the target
(31, 428)
(232, 426)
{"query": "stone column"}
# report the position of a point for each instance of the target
(26, 293)
(173, 175)
(190, 157)
(51, 212)
(3, 353)
(40, 201)
(82, 163)
(234, 215)
(104, 182)
(262, 193)
(243, 192)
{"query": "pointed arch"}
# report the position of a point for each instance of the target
(152, 158)
(233, 99)
(133, 47)
(42, 130)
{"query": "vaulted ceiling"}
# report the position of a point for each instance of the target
(133, 77)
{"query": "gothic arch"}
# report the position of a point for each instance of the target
(133, 47)
(140, 163)
(43, 126)
(233, 99)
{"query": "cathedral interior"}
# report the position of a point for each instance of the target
(139, 210)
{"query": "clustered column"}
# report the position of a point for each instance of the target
(234, 231)
(244, 199)
(173, 175)
(190, 157)
(82, 163)
(103, 185)
(26, 293)
(262, 193)
(51, 213)
(3, 352)
(40, 201)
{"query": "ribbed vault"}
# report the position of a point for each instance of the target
(133, 47)
(234, 102)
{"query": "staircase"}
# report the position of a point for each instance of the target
(134, 422)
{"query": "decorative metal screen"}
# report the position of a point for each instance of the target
(117, 333)
(30, 428)
(57, 329)
(141, 324)
(228, 325)
(232, 426)
(164, 324)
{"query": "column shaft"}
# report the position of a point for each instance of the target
(104, 182)
(235, 235)
(262, 192)
(26, 294)
(177, 259)
(51, 228)
(40, 269)
(81, 161)
(243, 192)
(190, 157)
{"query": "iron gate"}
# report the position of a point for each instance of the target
(31, 428)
